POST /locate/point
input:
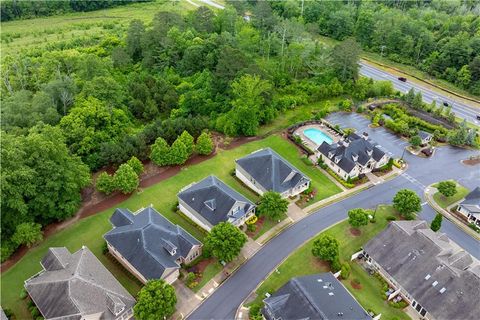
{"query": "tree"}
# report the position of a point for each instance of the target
(436, 222)
(415, 141)
(28, 233)
(105, 183)
(187, 140)
(135, 32)
(125, 179)
(156, 300)
(160, 152)
(204, 144)
(345, 59)
(272, 205)
(178, 153)
(407, 203)
(357, 217)
(447, 188)
(40, 178)
(225, 241)
(326, 248)
(136, 165)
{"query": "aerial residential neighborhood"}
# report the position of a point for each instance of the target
(247, 160)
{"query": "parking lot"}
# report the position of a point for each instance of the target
(390, 143)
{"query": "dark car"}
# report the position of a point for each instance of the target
(445, 103)
(403, 79)
(478, 116)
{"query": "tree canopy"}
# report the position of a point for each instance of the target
(325, 247)
(408, 203)
(447, 188)
(272, 205)
(357, 217)
(224, 241)
(156, 300)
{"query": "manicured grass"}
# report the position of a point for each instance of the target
(162, 196)
(298, 114)
(444, 202)
(302, 262)
(210, 271)
(267, 225)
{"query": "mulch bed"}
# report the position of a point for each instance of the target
(259, 225)
(355, 232)
(356, 285)
(319, 264)
(471, 162)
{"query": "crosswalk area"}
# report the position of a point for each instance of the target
(413, 180)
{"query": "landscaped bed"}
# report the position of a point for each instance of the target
(445, 202)
(162, 196)
(368, 289)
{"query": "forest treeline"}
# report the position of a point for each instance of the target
(28, 9)
(440, 37)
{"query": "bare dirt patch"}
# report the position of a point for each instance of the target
(319, 264)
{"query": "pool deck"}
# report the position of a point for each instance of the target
(311, 144)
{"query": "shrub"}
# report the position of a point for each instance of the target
(7, 248)
(336, 265)
(23, 293)
(136, 165)
(126, 179)
(337, 177)
(254, 312)
(252, 220)
(191, 280)
(391, 218)
(345, 270)
(251, 227)
(104, 183)
(474, 227)
(104, 247)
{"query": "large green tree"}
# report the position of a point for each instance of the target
(160, 152)
(357, 217)
(188, 141)
(447, 188)
(326, 248)
(345, 57)
(89, 124)
(272, 205)
(41, 180)
(178, 153)
(28, 233)
(408, 203)
(224, 241)
(156, 300)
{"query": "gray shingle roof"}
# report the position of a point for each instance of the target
(214, 200)
(318, 296)
(271, 171)
(417, 258)
(472, 201)
(148, 241)
(354, 149)
(424, 135)
(76, 286)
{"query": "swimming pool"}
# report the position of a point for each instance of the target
(317, 136)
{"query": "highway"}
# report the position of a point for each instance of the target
(445, 164)
(461, 109)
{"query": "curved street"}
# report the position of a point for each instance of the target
(445, 164)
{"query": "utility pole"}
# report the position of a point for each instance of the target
(302, 7)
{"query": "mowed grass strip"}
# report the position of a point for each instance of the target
(162, 196)
(302, 262)
(444, 202)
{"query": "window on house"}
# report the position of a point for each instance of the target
(423, 312)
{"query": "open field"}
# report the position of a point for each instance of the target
(302, 262)
(162, 196)
(25, 34)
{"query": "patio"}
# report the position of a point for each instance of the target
(300, 132)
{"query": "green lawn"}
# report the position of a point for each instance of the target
(89, 231)
(444, 202)
(210, 271)
(302, 262)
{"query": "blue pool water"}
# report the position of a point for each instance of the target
(317, 136)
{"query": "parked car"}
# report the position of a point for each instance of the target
(478, 116)
(403, 79)
(445, 103)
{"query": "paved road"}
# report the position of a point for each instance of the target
(462, 110)
(444, 165)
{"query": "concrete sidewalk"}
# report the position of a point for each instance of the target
(429, 192)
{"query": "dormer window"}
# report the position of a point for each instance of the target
(330, 155)
(354, 156)
(170, 247)
(369, 152)
(337, 159)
